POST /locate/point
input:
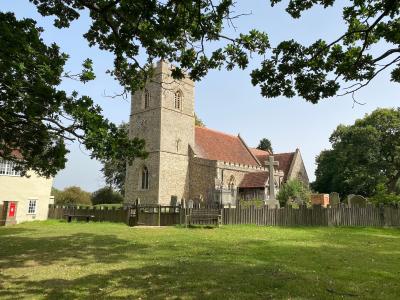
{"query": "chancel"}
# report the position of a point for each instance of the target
(197, 163)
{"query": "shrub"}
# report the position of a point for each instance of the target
(55, 192)
(293, 190)
(397, 187)
(72, 195)
(383, 196)
(106, 195)
(253, 202)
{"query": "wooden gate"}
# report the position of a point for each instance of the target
(154, 215)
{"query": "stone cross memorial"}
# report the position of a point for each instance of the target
(272, 202)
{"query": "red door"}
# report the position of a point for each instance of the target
(11, 212)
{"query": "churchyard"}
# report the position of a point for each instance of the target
(59, 260)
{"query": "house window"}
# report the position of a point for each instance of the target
(32, 207)
(178, 100)
(8, 168)
(145, 178)
(146, 98)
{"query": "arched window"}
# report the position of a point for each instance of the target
(178, 100)
(232, 184)
(145, 178)
(146, 98)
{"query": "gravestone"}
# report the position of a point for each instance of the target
(334, 199)
(190, 203)
(349, 197)
(356, 201)
(272, 203)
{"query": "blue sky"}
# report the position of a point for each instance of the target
(225, 101)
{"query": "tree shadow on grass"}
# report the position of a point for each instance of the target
(185, 280)
(192, 267)
(265, 271)
(80, 248)
(11, 231)
(195, 278)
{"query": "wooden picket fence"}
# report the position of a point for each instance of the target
(157, 215)
(315, 216)
(101, 214)
(147, 215)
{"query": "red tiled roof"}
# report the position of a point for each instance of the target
(260, 154)
(15, 153)
(284, 159)
(214, 145)
(254, 180)
(257, 151)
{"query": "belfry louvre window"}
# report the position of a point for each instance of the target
(178, 100)
(145, 178)
(146, 98)
(8, 168)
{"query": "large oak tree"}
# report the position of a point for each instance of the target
(363, 156)
(183, 33)
(37, 117)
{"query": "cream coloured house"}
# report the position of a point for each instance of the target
(32, 193)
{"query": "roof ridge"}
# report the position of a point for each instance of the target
(267, 152)
(255, 148)
(284, 153)
(249, 151)
(217, 131)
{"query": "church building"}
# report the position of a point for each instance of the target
(196, 163)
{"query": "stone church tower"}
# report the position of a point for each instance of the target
(163, 115)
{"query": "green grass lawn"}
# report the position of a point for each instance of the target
(56, 260)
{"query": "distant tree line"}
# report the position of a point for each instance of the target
(74, 195)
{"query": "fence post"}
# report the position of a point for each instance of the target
(137, 210)
(329, 215)
(229, 215)
(181, 211)
(222, 214)
(128, 214)
(382, 214)
(159, 214)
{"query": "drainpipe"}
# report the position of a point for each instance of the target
(222, 186)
